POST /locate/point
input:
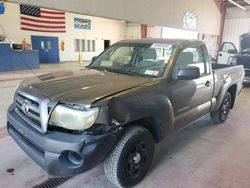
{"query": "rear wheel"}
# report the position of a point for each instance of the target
(130, 160)
(221, 115)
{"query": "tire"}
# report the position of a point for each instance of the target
(221, 115)
(130, 160)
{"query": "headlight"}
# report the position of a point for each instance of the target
(73, 119)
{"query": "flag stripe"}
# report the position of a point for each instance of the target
(53, 17)
(40, 30)
(42, 21)
(43, 26)
(52, 12)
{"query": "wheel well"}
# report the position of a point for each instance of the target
(150, 124)
(232, 90)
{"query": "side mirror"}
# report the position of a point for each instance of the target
(188, 73)
(232, 51)
(93, 58)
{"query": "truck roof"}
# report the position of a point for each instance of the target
(161, 40)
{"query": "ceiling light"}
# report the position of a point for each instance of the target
(236, 4)
(247, 1)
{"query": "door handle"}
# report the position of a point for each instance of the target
(220, 54)
(207, 84)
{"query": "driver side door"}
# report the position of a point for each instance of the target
(192, 98)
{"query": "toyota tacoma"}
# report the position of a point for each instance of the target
(130, 97)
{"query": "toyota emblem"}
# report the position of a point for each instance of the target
(25, 107)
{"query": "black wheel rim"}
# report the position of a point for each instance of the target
(225, 108)
(136, 160)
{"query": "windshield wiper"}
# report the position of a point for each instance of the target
(119, 71)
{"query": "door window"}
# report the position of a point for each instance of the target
(49, 45)
(192, 56)
(227, 46)
(42, 45)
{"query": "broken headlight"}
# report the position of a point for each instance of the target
(71, 118)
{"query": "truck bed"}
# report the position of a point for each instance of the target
(221, 66)
(227, 74)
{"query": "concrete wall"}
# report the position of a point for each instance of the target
(101, 29)
(167, 13)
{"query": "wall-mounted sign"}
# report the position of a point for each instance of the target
(2, 8)
(190, 20)
(82, 23)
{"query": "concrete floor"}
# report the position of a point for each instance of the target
(202, 155)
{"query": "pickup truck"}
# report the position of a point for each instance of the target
(230, 55)
(130, 97)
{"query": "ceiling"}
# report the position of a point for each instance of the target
(240, 2)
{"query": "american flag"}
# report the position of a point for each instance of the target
(38, 19)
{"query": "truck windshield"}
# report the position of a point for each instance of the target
(147, 60)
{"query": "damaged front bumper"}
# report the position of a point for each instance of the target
(58, 153)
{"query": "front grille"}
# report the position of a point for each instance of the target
(29, 110)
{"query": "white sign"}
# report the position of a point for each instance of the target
(189, 21)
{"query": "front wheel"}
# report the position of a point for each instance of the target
(221, 115)
(130, 160)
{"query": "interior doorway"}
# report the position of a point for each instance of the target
(48, 48)
(106, 44)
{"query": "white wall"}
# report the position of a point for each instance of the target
(171, 33)
(237, 22)
(101, 29)
(165, 32)
(133, 31)
(168, 13)
(154, 32)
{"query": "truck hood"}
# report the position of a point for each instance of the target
(245, 43)
(84, 87)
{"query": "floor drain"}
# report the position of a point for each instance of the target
(53, 182)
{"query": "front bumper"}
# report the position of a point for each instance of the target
(51, 150)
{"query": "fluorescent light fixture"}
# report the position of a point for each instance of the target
(236, 4)
(247, 1)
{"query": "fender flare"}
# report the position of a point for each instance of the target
(130, 109)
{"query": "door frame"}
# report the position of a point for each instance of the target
(46, 54)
